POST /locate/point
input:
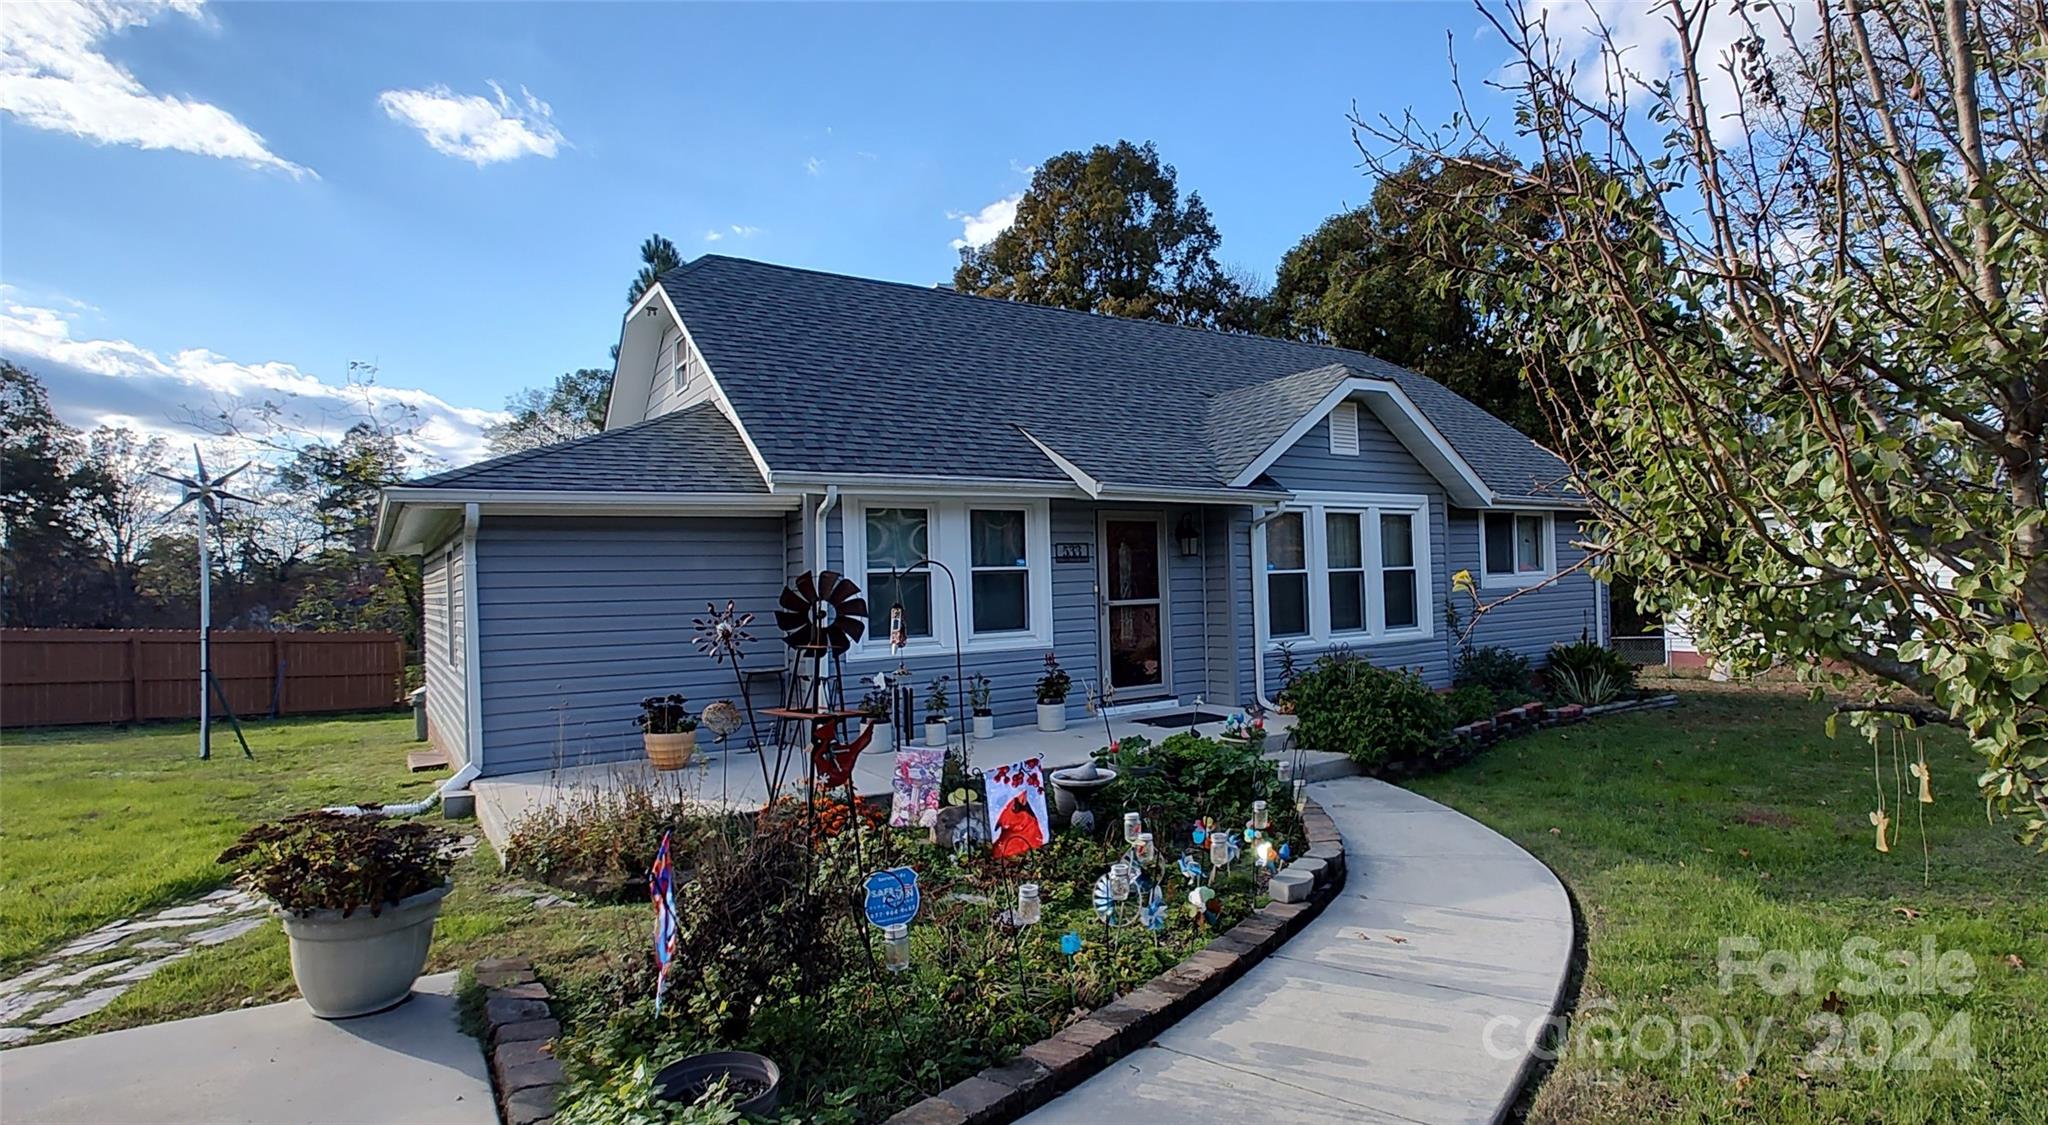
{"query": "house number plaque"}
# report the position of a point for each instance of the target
(1071, 552)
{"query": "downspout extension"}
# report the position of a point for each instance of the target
(825, 507)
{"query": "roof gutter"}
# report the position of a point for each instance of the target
(400, 500)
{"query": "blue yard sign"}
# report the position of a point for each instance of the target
(892, 896)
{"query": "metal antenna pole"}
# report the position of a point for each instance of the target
(206, 492)
(205, 633)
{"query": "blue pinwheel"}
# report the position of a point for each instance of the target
(1286, 852)
(1153, 914)
(1070, 943)
(1190, 868)
(1105, 899)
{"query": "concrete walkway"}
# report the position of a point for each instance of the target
(273, 1064)
(1412, 998)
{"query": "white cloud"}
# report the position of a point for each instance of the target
(1649, 44)
(745, 231)
(813, 165)
(475, 128)
(713, 235)
(99, 381)
(737, 230)
(53, 76)
(980, 228)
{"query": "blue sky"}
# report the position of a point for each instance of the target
(296, 216)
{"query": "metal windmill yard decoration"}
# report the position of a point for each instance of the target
(207, 492)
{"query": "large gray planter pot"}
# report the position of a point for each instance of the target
(362, 963)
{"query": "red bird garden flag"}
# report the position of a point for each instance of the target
(1016, 808)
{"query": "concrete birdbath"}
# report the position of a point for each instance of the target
(1071, 788)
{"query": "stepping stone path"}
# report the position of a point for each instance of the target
(93, 971)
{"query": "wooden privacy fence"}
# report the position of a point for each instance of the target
(55, 677)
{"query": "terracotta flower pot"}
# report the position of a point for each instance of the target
(670, 751)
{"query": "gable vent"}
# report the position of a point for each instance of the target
(1344, 429)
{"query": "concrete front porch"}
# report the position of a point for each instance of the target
(733, 780)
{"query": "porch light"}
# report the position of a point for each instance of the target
(1189, 536)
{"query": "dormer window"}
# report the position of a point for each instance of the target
(672, 360)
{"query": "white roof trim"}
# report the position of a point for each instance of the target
(1088, 484)
(403, 526)
(1399, 414)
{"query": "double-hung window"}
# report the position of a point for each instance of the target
(1344, 550)
(1287, 601)
(1348, 567)
(1001, 584)
(992, 572)
(896, 538)
(1516, 550)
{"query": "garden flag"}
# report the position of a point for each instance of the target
(661, 888)
(1016, 808)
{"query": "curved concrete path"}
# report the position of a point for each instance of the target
(1411, 998)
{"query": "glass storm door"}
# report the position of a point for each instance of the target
(1134, 606)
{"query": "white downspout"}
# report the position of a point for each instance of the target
(825, 507)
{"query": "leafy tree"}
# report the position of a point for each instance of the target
(573, 407)
(127, 503)
(657, 256)
(1809, 413)
(49, 569)
(1363, 280)
(1106, 231)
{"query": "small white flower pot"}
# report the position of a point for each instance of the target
(1052, 716)
(362, 963)
(881, 740)
(984, 726)
(935, 735)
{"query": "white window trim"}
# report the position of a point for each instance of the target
(1308, 577)
(1315, 508)
(947, 539)
(1520, 579)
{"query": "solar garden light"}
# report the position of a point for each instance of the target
(1219, 849)
(1260, 820)
(1134, 825)
(896, 947)
(1146, 852)
(1027, 904)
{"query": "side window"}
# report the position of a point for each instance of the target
(1287, 575)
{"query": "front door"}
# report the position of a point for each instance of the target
(1134, 605)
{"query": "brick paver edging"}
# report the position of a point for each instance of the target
(519, 1032)
(1053, 1066)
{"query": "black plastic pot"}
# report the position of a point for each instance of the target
(685, 1081)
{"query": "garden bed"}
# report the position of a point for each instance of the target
(773, 955)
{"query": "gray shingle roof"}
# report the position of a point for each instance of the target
(693, 450)
(842, 374)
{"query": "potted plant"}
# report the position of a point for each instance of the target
(1053, 687)
(979, 694)
(667, 730)
(874, 707)
(357, 894)
(936, 701)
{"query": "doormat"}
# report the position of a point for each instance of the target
(1176, 719)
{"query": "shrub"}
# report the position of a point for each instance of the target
(1582, 663)
(1588, 688)
(1372, 714)
(1502, 671)
(1187, 776)
(329, 861)
(1471, 703)
(601, 843)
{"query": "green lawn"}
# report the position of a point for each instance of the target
(98, 824)
(1736, 816)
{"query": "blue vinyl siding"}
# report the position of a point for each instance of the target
(1382, 464)
(1530, 624)
(447, 685)
(581, 618)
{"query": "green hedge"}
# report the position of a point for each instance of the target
(1373, 715)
